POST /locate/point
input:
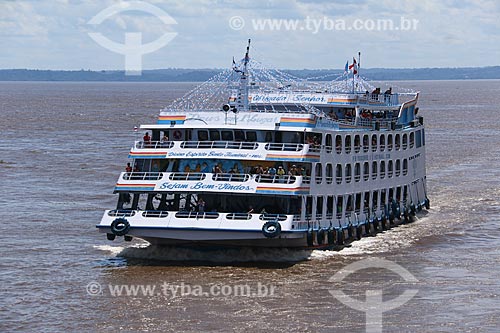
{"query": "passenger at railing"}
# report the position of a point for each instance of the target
(128, 168)
(366, 114)
(250, 209)
(271, 170)
(293, 171)
(333, 115)
(280, 172)
(164, 140)
(147, 140)
(204, 167)
(387, 95)
(375, 93)
(216, 169)
(187, 168)
(201, 205)
(348, 114)
(235, 169)
(198, 168)
(155, 167)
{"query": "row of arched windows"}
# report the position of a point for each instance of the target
(355, 172)
(366, 142)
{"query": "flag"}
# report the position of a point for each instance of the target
(346, 69)
(353, 66)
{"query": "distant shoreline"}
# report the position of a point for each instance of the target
(200, 75)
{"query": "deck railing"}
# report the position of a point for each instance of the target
(219, 145)
(154, 145)
(284, 146)
(142, 175)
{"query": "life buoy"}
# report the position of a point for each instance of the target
(271, 229)
(340, 236)
(320, 236)
(350, 231)
(406, 216)
(310, 237)
(120, 226)
(359, 232)
(177, 135)
(383, 222)
(413, 210)
(367, 228)
(331, 236)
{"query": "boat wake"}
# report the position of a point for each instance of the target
(390, 240)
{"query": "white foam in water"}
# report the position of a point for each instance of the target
(114, 250)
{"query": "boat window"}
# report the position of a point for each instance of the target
(383, 197)
(251, 136)
(382, 169)
(423, 137)
(398, 142)
(398, 168)
(340, 205)
(348, 173)
(389, 169)
(319, 207)
(412, 139)
(328, 143)
(374, 170)
(338, 173)
(318, 173)
(357, 172)
(338, 144)
(269, 137)
(374, 142)
(382, 142)
(329, 173)
(398, 193)
(405, 141)
(366, 203)
(366, 143)
(308, 207)
(418, 139)
(348, 144)
(357, 203)
(227, 136)
(349, 206)
(329, 206)
(239, 135)
(366, 171)
(357, 144)
(214, 135)
(405, 167)
(375, 200)
(389, 142)
(202, 135)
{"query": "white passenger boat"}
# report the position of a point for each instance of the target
(259, 158)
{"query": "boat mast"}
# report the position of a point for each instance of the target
(242, 98)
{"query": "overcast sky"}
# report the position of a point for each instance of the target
(425, 33)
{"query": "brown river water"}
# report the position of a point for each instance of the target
(62, 148)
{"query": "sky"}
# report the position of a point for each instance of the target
(292, 34)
